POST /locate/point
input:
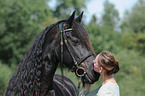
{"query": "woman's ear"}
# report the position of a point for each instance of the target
(100, 69)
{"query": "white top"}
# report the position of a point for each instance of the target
(109, 89)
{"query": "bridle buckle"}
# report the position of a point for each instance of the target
(80, 71)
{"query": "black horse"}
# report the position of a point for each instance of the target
(66, 43)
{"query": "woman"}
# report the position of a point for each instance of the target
(106, 64)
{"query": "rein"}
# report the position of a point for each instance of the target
(80, 71)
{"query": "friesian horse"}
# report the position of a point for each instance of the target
(65, 43)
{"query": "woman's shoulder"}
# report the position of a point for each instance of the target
(109, 89)
(110, 86)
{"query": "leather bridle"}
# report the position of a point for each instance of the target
(80, 71)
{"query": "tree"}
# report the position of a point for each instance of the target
(134, 20)
(20, 21)
(110, 15)
(103, 38)
(101, 33)
(133, 27)
(64, 7)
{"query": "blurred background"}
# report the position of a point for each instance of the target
(109, 28)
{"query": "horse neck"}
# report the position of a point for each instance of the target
(50, 61)
(48, 71)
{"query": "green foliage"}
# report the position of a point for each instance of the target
(132, 40)
(110, 15)
(20, 21)
(6, 73)
(103, 38)
(64, 7)
(140, 42)
(131, 75)
(134, 20)
(128, 40)
(102, 34)
(133, 28)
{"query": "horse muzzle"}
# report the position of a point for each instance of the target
(91, 77)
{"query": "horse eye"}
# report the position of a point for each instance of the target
(67, 34)
(75, 42)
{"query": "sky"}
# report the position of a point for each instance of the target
(96, 7)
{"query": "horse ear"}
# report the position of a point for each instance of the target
(70, 20)
(79, 18)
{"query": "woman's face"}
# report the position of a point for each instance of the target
(96, 65)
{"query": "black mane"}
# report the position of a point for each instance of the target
(30, 66)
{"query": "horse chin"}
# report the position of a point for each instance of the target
(90, 79)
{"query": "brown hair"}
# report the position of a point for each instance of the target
(109, 63)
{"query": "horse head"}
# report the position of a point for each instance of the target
(71, 47)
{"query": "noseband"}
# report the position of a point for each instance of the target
(80, 71)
